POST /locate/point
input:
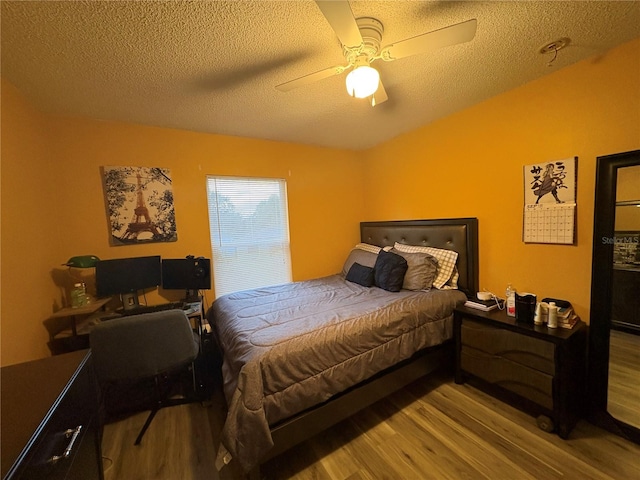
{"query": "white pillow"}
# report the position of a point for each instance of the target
(446, 261)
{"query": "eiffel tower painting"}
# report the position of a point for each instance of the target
(140, 205)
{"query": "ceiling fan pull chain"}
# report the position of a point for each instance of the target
(555, 55)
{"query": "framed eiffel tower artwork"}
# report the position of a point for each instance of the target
(139, 203)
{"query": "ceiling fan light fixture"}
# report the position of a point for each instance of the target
(363, 81)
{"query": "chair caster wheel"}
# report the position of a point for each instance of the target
(545, 423)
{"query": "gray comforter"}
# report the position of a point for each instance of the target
(289, 347)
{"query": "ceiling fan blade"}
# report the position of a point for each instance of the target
(311, 78)
(452, 35)
(339, 15)
(380, 95)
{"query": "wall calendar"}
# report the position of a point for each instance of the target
(550, 202)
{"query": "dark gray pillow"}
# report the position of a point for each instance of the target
(361, 275)
(364, 258)
(422, 269)
(389, 271)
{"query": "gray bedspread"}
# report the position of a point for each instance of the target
(289, 347)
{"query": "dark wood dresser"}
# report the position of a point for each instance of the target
(49, 419)
(540, 368)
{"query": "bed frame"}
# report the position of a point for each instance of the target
(459, 234)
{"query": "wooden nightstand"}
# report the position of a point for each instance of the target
(538, 368)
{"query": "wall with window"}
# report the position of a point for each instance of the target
(468, 164)
(53, 206)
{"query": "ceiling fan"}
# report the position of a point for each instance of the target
(361, 39)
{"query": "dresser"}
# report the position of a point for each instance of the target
(49, 423)
(538, 368)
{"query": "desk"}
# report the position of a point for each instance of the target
(193, 311)
(69, 318)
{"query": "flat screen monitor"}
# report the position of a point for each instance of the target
(122, 276)
(186, 274)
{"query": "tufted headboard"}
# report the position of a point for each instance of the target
(459, 234)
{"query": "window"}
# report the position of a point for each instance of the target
(249, 227)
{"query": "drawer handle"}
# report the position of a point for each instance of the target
(73, 433)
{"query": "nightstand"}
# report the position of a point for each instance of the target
(537, 368)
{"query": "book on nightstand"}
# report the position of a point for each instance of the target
(565, 312)
(568, 322)
(484, 305)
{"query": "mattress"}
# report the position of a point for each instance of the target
(289, 347)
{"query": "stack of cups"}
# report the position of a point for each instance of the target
(537, 319)
(553, 315)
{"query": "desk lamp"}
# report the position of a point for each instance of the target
(83, 262)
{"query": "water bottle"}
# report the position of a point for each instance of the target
(510, 300)
(78, 295)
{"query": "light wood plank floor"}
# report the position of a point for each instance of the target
(431, 429)
(623, 400)
(177, 446)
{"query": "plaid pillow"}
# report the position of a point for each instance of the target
(368, 248)
(446, 261)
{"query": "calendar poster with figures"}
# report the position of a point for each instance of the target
(550, 202)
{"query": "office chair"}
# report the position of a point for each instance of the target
(145, 346)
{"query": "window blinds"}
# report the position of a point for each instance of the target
(248, 222)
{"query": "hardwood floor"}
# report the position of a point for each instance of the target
(431, 429)
(177, 446)
(623, 400)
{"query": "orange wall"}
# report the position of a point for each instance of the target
(30, 230)
(52, 193)
(318, 187)
(471, 164)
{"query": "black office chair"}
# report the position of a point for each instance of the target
(139, 347)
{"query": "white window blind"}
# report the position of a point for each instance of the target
(249, 226)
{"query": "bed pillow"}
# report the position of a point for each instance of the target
(452, 284)
(363, 257)
(446, 260)
(422, 270)
(367, 247)
(389, 271)
(361, 275)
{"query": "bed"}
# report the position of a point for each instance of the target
(300, 357)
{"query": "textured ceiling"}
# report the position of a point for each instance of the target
(212, 66)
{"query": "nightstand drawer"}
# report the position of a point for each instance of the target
(527, 382)
(528, 351)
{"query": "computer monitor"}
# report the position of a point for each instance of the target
(126, 276)
(190, 274)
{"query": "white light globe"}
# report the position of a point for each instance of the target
(362, 82)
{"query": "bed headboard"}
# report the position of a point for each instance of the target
(459, 234)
